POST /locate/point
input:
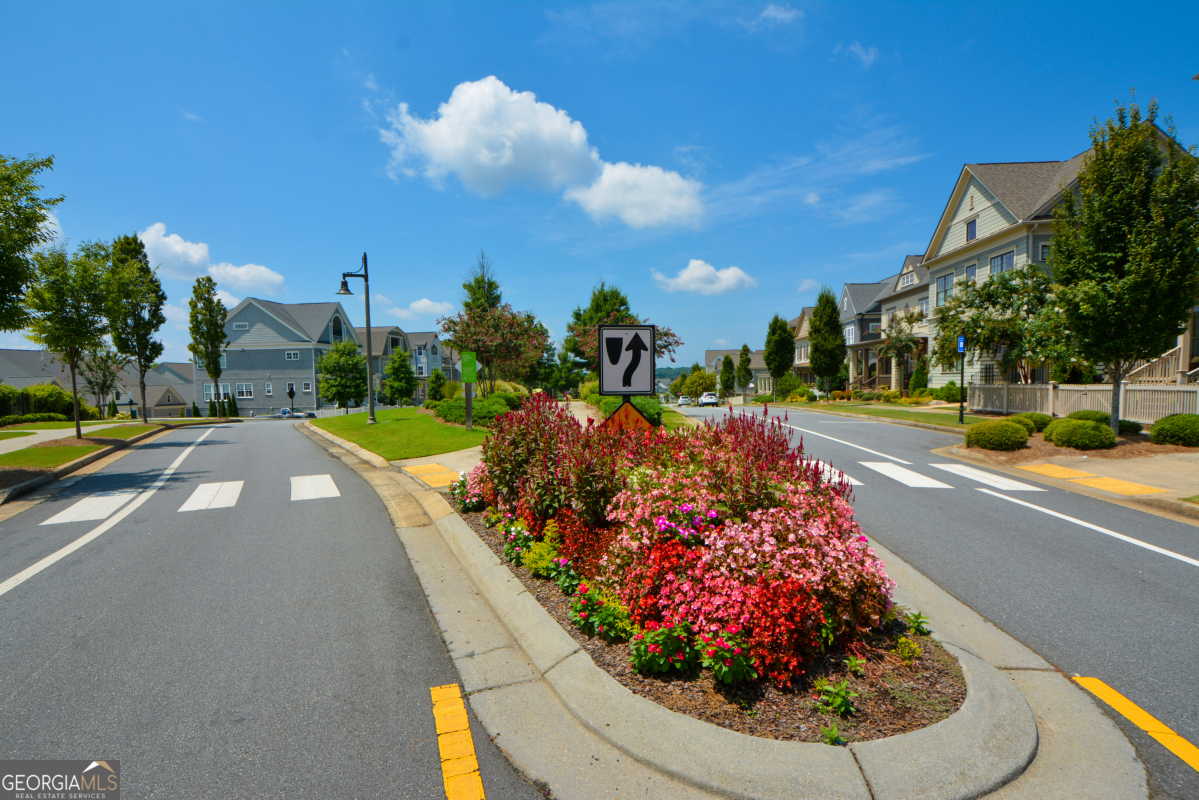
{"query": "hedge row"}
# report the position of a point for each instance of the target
(14, 419)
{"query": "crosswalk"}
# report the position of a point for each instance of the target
(911, 478)
(205, 497)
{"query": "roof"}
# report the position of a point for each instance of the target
(424, 338)
(756, 357)
(893, 288)
(864, 295)
(1018, 185)
(309, 319)
(26, 367)
(184, 369)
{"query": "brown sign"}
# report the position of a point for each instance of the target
(627, 417)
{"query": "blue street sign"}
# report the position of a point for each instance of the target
(961, 344)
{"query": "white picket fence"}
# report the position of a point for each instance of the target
(1145, 403)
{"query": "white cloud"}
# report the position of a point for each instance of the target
(493, 138)
(774, 15)
(642, 197)
(811, 198)
(251, 277)
(189, 116)
(52, 226)
(700, 276)
(424, 307)
(722, 341)
(229, 300)
(866, 55)
(807, 285)
(371, 83)
(178, 316)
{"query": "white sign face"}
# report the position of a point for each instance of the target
(626, 359)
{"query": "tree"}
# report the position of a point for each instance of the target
(342, 374)
(401, 381)
(899, 343)
(700, 382)
(23, 228)
(566, 374)
(66, 305)
(101, 370)
(826, 339)
(502, 340)
(780, 348)
(207, 326)
(609, 306)
(436, 381)
(482, 288)
(134, 307)
(728, 376)
(745, 371)
(1125, 250)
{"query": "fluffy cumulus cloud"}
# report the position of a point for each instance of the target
(422, 309)
(774, 15)
(492, 138)
(178, 258)
(702, 277)
(229, 300)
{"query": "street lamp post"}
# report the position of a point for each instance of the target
(366, 288)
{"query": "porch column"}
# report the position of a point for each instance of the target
(1184, 349)
(853, 366)
(896, 375)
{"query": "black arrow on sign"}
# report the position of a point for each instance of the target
(636, 346)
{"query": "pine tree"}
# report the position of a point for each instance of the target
(728, 375)
(231, 406)
(745, 371)
(212, 409)
(401, 380)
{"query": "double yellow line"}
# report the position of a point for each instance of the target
(1143, 720)
(459, 767)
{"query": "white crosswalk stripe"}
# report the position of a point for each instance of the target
(312, 487)
(96, 506)
(213, 495)
(834, 475)
(998, 481)
(904, 475)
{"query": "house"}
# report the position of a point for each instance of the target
(385, 341)
(904, 295)
(274, 349)
(428, 354)
(21, 368)
(803, 348)
(762, 382)
(861, 324)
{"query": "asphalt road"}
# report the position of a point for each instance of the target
(279, 646)
(1089, 603)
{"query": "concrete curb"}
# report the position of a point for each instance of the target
(1169, 504)
(366, 455)
(990, 740)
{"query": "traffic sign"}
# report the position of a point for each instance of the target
(626, 354)
(961, 344)
(469, 368)
(628, 418)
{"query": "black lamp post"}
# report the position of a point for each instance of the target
(366, 288)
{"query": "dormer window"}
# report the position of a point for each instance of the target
(337, 331)
(845, 303)
(908, 279)
(433, 350)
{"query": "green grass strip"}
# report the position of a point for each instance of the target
(14, 434)
(46, 457)
(54, 426)
(673, 419)
(927, 417)
(125, 431)
(401, 433)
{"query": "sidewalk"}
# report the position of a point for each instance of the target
(1025, 731)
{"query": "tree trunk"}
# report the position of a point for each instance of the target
(75, 395)
(141, 385)
(1116, 372)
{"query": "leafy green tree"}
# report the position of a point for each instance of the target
(436, 381)
(401, 381)
(1125, 250)
(745, 372)
(212, 409)
(728, 376)
(66, 304)
(566, 374)
(899, 343)
(609, 306)
(482, 288)
(207, 326)
(826, 339)
(101, 370)
(134, 307)
(504, 341)
(780, 348)
(677, 385)
(23, 229)
(343, 374)
(700, 382)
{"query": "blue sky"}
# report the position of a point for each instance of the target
(717, 162)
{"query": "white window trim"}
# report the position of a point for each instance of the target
(851, 334)
(907, 279)
(966, 271)
(875, 327)
(241, 326)
(991, 262)
(225, 395)
(289, 386)
(291, 355)
(245, 391)
(208, 393)
(307, 386)
(266, 388)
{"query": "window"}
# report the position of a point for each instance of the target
(207, 392)
(337, 332)
(971, 271)
(944, 288)
(308, 386)
(971, 230)
(224, 365)
(266, 388)
(395, 343)
(169, 397)
(291, 355)
(875, 327)
(1044, 252)
(956, 366)
(291, 388)
(241, 326)
(420, 349)
(845, 303)
(924, 307)
(420, 370)
(433, 350)
(224, 391)
(850, 331)
(244, 390)
(1003, 262)
(908, 279)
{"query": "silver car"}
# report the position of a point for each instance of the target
(708, 399)
(684, 400)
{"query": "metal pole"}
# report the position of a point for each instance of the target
(370, 378)
(466, 395)
(962, 394)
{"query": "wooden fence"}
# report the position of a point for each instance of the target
(1145, 403)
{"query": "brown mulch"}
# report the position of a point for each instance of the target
(893, 697)
(1133, 446)
(71, 441)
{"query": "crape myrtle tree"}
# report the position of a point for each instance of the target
(609, 306)
(1125, 251)
(826, 340)
(728, 376)
(503, 340)
(899, 344)
(745, 371)
(134, 307)
(401, 380)
(780, 348)
(207, 327)
(66, 306)
(24, 218)
(342, 374)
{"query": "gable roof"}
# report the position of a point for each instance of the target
(910, 264)
(425, 338)
(862, 296)
(307, 319)
(21, 368)
(804, 313)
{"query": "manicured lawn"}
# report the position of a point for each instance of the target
(46, 457)
(673, 419)
(402, 433)
(891, 412)
(14, 434)
(126, 431)
(53, 426)
(1194, 499)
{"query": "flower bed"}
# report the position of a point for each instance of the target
(715, 551)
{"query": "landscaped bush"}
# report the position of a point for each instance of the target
(483, 412)
(451, 390)
(996, 435)
(588, 388)
(950, 393)
(1182, 429)
(689, 533)
(891, 396)
(919, 379)
(1039, 421)
(513, 401)
(1082, 434)
(649, 407)
(1023, 422)
(1127, 426)
(15, 419)
(48, 398)
(432, 404)
(1047, 433)
(911, 401)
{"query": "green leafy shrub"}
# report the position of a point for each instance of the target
(907, 650)
(540, 558)
(513, 401)
(195, 410)
(588, 388)
(483, 412)
(649, 407)
(1181, 429)
(435, 404)
(48, 398)
(911, 401)
(1091, 416)
(834, 698)
(996, 435)
(1128, 427)
(451, 390)
(15, 419)
(950, 393)
(1038, 420)
(1083, 434)
(919, 379)
(728, 657)
(565, 576)
(891, 396)
(596, 613)
(1023, 422)
(664, 649)
(9, 403)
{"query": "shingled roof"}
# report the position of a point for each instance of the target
(1026, 187)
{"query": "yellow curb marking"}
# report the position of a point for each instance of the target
(440, 478)
(1117, 486)
(1055, 471)
(459, 767)
(426, 469)
(1143, 720)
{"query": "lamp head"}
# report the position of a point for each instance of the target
(345, 287)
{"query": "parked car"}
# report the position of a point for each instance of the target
(708, 399)
(684, 400)
(293, 413)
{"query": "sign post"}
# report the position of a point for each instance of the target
(962, 388)
(627, 369)
(469, 377)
